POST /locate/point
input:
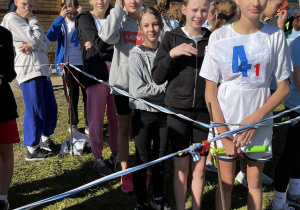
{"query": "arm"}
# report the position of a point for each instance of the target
(110, 31)
(296, 76)
(138, 87)
(165, 58)
(55, 29)
(9, 72)
(89, 30)
(211, 97)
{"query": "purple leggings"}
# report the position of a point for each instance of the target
(98, 98)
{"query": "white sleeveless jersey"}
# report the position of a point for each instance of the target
(243, 65)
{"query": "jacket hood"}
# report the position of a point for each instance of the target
(7, 17)
(178, 31)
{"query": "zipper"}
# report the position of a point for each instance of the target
(195, 82)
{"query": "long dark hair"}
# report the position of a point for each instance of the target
(152, 11)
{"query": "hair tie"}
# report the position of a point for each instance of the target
(222, 16)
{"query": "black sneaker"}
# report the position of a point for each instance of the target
(142, 206)
(160, 204)
(50, 146)
(114, 160)
(101, 167)
(38, 154)
(4, 205)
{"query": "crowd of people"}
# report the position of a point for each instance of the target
(187, 58)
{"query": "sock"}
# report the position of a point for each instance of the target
(44, 138)
(32, 148)
(294, 186)
(3, 197)
(279, 200)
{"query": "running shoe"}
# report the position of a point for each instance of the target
(115, 161)
(241, 178)
(127, 185)
(38, 154)
(74, 129)
(160, 204)
(142, 206)
(50, 146)
(4, 205)
(101, 167)
(285, 207)
(210, 167)
(147, 179)
(293, 199)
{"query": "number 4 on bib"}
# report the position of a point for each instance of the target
(74, 39)
(239, 54)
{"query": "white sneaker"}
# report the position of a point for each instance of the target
(266, 180)
(87, 130)
(241, 178)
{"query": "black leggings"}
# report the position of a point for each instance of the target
(74, 94)
(147, 127)
(288, 165)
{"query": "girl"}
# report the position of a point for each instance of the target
(31, 47)
(227, 13)
(252, 51)
(121, 31)
(63, 31)
(178, 61)
(175, 13)
(95, 55)
(148, 123)
(8, 115)
(169, 24)
(211, 18)
(287, 170)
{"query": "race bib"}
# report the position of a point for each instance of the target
(243, 60)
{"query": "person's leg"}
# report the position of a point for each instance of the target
(74, 98)
(50, 117)
(34, 111)
(6, 167)
(142, 122)
(198, 182)
(123, 139)
(254, 170)
(227, 170)
(84, 98)
(112, 123)
(285, 168)
(96, 104)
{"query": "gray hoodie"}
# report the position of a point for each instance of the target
(121, 31)
(141, 84)
(31, 32)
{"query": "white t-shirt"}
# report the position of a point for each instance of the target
(99, 23)
(243, 65)
(73, 46)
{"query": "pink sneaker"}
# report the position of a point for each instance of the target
(127, 185)
(147, 179)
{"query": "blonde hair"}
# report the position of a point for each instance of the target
(228, 9)
(175, 12)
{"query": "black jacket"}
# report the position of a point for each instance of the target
(8, 106)
(94, 58)
(185, 88)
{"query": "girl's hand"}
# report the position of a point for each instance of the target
(229, 146)
(183, 49)
(64, 11)
(87, 45)
(282, 19)
(26, 49)
(1, 76)
(242, 139)
(79, 9)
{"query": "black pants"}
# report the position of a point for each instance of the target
(147, 127)
(74, 94)
(288, 165)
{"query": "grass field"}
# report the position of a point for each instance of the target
(33, 181)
